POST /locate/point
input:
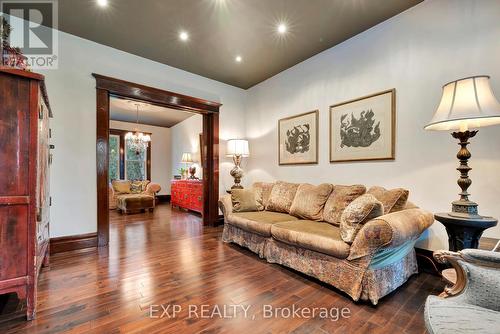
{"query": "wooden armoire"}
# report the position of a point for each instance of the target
(24, 183)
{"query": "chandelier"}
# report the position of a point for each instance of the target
(137, 140)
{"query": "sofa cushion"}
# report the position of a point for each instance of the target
(319, 237)
(259, 222)
(263, 190)
(359, 212)
(310, 200)
(244, 200)
(282, 196)
(393, 200)
(339, 199)
(121, 186)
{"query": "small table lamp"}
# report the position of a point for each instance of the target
(187, 159)
(237, 148)
(466, 104)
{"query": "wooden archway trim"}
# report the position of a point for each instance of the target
(106, 86)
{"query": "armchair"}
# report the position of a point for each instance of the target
(472, 305)
(121, 196)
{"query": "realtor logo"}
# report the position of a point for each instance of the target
(34, 32)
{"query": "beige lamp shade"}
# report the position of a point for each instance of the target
(186, 158)
(237, 147)
(466, 104)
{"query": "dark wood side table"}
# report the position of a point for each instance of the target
(464, 232)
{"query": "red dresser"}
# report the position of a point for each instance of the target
(24, 183)
(187, 194)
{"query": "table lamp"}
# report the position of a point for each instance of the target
(187, 159)
(466, 104)
(237, 148)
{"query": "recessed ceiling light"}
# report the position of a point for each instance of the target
(102, 3)
(238, 59)
(282, 28)
(183, 36)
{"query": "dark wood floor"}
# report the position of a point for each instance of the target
(167, 257)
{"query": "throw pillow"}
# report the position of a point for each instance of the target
(121, 186)
(310, 200)
(282, 196)
(359, 212)
(244, 200)
(136, 187)
(264, 192)
(339, 199)
(394, 200)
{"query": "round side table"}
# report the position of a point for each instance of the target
(464, 232)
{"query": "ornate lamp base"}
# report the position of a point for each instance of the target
(464, 208)
(192, 172)
(237, 172)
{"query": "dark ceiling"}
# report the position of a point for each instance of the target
(219, 30)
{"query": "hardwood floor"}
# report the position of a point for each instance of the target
(168, 257)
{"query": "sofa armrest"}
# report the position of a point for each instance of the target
(111, 197)
(390, 231)
(111, 190)
(226, 205)
(152, 189)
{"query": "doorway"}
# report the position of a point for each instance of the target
(107, 86)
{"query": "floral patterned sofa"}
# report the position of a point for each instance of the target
(359, 241)
(131, 196)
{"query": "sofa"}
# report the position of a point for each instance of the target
(357, 240)
(472, 304)
(132, 196)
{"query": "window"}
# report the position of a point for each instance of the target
(135, 163)
(126, 163)
(114, 157)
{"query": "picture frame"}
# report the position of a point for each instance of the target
(298, 139)
(364, 129)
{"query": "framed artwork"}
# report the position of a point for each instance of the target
(364, 128)
(298, 139)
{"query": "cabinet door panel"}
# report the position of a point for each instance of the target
(14, 131)
(13, 241)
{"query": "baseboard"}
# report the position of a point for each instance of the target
(72, 242)
(163, 198)
(487, 243)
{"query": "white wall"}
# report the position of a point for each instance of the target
(415, 52)
(186, 139)
(71, 90)
(161, 160)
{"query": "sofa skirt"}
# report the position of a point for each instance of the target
(353, 278)
(326, 268)
(378, 283)
(254, 242)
